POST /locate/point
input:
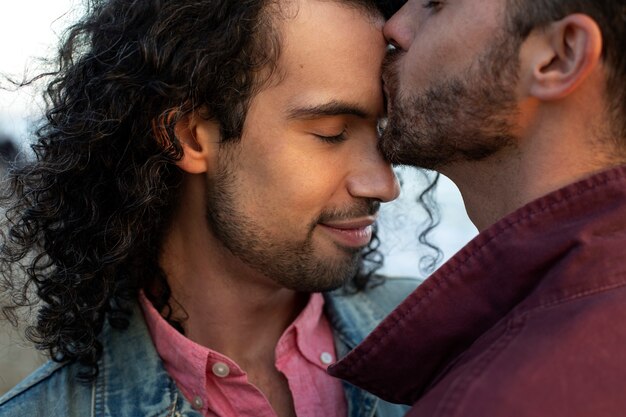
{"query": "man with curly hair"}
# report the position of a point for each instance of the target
(206, 171)
(523, 104)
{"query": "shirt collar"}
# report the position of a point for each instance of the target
(187, 361)
(183, 359)
(129, 355)
(313, 335)
(494, 273)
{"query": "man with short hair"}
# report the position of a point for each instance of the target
(522, 103)
(207, 170)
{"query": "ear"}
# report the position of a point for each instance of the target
(200, 139)
(562, 56)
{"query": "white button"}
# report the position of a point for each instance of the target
(221, 369)
(326, 358)
(197, 403)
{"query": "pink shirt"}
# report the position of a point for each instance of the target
(216, 386)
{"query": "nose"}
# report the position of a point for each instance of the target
(373, 178)
(398, 29)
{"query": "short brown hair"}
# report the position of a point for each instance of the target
(610, 15)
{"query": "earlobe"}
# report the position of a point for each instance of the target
(568, 51)
(199, 139)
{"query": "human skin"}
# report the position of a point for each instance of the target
(305, 176)
(444, 110)
(507, 119)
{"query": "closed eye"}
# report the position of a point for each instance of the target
(332, 139)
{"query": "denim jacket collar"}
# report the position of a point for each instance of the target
(353, 317)
(132, 379)
(127, 357)
(154, 393)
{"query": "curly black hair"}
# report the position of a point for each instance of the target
(86, 217)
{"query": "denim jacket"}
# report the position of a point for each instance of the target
(132, 381)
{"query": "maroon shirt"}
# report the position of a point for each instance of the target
(529, 319)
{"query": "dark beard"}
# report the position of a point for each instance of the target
(461, 118)
(292, 264)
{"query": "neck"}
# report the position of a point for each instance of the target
(553, 152)
(224, 304)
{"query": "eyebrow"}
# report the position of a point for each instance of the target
(332, 108)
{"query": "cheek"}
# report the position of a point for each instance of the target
(287, 183)
(433, 57)
(416, 68)
(304, 187)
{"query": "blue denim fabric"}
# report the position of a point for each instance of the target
(133, 383)
(354, 316)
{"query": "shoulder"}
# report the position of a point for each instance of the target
(47, 391)
(565, 358)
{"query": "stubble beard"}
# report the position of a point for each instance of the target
(468, 117)
(292, 264)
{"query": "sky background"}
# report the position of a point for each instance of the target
(29, 30)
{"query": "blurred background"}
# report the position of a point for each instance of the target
(29, 31)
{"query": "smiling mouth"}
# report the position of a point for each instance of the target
(352, 234)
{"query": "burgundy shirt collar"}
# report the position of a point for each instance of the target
(490, 276)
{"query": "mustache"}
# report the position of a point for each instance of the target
(390, 78)
(389, 70)
(361, 208)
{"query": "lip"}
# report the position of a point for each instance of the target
(353, 233)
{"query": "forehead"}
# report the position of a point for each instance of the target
(329, 50)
